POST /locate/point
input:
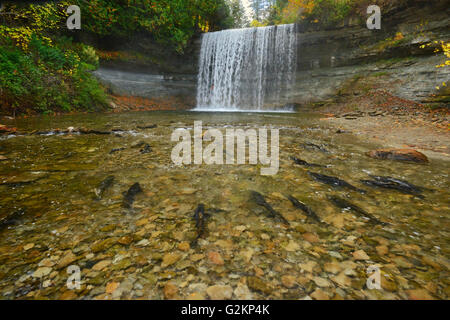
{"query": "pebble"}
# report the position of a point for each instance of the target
(215, 258)
(288, 281)
(68, 258)
(184, 246)
(360, 255)
(42, 272)
(311, 237)
(101, 265)
(28, 246)
(170, 291)
(292, 246)
(220, 292)
(111, 287)
(419, 294)
(259, 285)
(321, 282)
(319, 294)
(169, 259)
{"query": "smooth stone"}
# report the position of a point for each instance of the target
(220, 292)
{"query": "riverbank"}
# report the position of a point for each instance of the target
(382, 118)
(146, 249)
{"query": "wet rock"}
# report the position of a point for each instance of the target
(242, 292)
(419, 294)
(170, 291)
(342, 280)
(311, 237)
(319, 294)
(68, 258)
(68, 295)
(399, 155)
(309, 266)
(220, 292)
(215, 258)
(247, 254)
(332, 267)
(289, 281)
(402, 262)
(292, 246)
(360, 255)
(122, 264)
(125, 240)
(102, 245)
(382, 250)
(111, 287)
(42, 272)
(28, 246)
(169, 259)
(143, 243)
(259, 285)
(197, 257)
(321, 282)
(101, 265)
(46, 263)
(184, 246)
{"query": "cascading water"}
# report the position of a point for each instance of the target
(247, 69)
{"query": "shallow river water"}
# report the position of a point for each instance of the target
(52, 218)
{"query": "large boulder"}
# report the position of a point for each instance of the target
(399, 155)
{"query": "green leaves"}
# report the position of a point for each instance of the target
(172, 22)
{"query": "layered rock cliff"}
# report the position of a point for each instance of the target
(327, 59)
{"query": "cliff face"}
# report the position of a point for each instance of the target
(327, 60)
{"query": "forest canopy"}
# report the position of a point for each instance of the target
(320, 12)
(43, 69)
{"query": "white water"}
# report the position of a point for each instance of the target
(247, 69)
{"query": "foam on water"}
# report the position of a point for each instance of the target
(247, 69)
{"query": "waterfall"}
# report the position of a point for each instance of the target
(247, 69)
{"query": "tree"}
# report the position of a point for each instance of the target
(237, 14)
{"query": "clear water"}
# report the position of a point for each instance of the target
(59, 174)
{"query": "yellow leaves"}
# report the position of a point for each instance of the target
(399, 36)
(20, 35)
(442, 46)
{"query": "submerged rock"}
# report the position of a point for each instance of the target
(259, 285)
(219, 292)
(399, 155)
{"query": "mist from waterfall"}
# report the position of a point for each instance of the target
(247, 69)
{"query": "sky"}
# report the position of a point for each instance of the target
(248, 9)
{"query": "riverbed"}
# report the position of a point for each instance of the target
(56, 219)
